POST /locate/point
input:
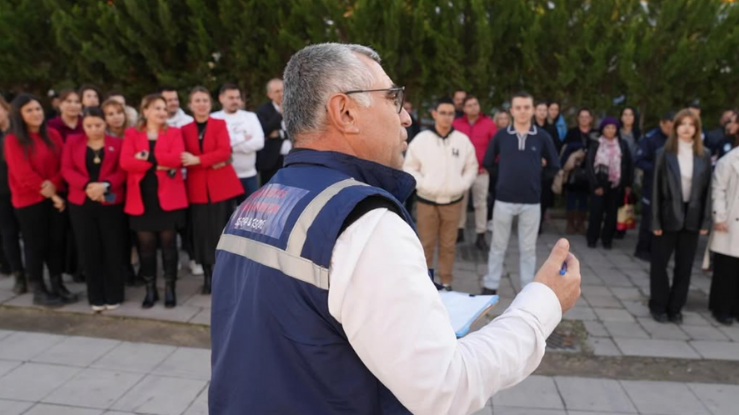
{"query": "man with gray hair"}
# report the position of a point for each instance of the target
(322, 301)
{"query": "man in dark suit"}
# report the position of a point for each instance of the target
(276, 143)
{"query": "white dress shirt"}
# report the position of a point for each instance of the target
(394, 319)
(247, 137)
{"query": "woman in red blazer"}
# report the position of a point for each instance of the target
(212, 183)
(34, 154)
(96, 182)
(155, 196)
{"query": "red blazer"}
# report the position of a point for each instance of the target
(74, 168)
(204, 183)
(168, 152)
(26, 172)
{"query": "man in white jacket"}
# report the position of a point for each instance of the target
(176, 117)
(247, 136)
(444, 164)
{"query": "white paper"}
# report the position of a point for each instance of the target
(464, 309)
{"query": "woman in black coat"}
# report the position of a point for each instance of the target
(611, 173)
(680, 213)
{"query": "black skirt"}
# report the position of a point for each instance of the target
(154, 218)
(207, 221)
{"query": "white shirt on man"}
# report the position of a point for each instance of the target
(179, 119)
(247, 137)
(395, 321)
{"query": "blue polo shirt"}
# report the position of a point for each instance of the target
(518, 160)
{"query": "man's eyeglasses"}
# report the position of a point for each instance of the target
(397, 94)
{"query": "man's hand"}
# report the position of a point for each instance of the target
(657, 232)
(566, 287)
(275, 134)
(721, 227)
(599, 191)
(543, 162)
(704, 232)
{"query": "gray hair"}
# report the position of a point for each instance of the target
(316, 72)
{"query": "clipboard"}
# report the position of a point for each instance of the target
(464, 309)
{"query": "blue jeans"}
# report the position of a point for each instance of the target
(577, 201)
(250, 185)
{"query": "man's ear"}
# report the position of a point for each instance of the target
(342, 113)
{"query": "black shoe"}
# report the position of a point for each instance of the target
(644, 256)
(151, 296)
(5, 269)
(481, 243)
(43, 298)
(207, 284)
(660, 317)
(620, 235)
(607, 246)
(79, 277)
(58, 289)
(726, 320)
(676, 318)
(170, 296)
(488, 291)
(21, 285)
(446, 287)
(460, 236)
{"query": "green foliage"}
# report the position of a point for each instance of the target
(658, 54)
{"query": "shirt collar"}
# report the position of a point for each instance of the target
(532, 131)
(443, 137)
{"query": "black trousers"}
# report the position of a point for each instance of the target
(603, 216)
(44, 239)
(100, 233)
(724, 298)
(10, 235)
(666, 298)
(644, 243)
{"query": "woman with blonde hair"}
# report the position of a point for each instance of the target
(115, 117)
(155, 194)
(680, 213)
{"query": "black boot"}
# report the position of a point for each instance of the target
(208, 278)
(481, 243)
(460, 236)
(170, 296)
(43, 298)
(21, 285)
(58, 289)
(151, 296)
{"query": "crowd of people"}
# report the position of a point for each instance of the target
(517, 163)
(98, 187)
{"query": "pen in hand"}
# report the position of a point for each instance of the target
(563, 270)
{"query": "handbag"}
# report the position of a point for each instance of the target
(578, 181)
(626, 215)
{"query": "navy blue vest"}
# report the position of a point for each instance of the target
(275, 346)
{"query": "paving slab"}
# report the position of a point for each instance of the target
(26, 346)
(94, 388)
(200, 406)
(662, 331)
(587, 394)
(6, 366)
(720, 350)
(704, 333)
(186, 362)
(14, 407)
(134, 357)
(161, 395)
(603, 346)
(628, 329)
(506, 410)
(520, 395)
(595, 329)
(608, 314)
(44, 378)
(45, 409)
(719, 399)
(603, 301)
(668, 398)
(656, 348)
(77, 351)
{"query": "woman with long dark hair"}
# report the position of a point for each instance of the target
(91, 169)
(629, 131)
(33, 154)
(155, 196)
(680, 213)
(89, 96)
(611, 172)
(212, 183)
(69, 120)
(9, 228)
(577, 186)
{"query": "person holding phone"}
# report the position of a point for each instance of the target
(155, 195)
(33, 154)
(95, 179)
(680, 213)
(212, 183)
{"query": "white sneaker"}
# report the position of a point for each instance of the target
(112, 306)
(98, 308)
(195, 268)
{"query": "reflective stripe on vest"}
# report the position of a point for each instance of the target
(289, 261)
